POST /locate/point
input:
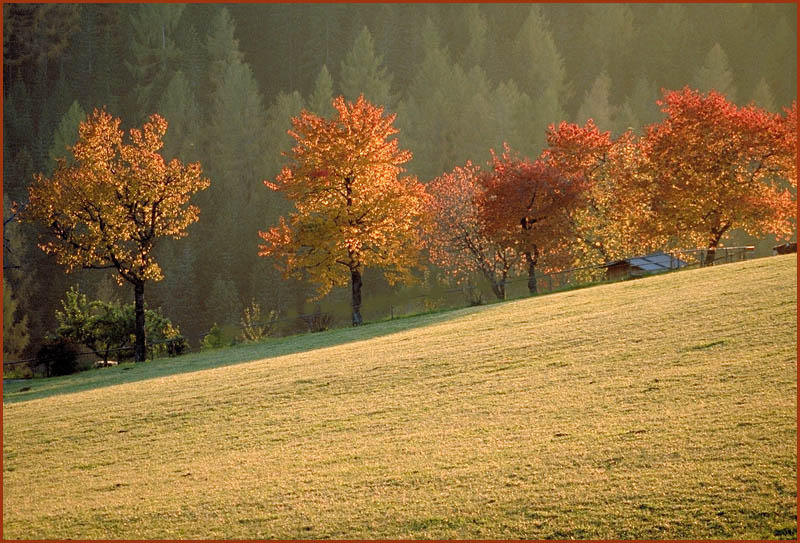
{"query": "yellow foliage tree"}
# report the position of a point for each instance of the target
(353, 208)
(109, 207)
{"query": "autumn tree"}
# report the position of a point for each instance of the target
(110, 207)
(719, 167)
(459, 239)
(353, 210)
(613, 217)
(529, 203)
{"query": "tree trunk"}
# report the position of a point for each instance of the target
(139, 350)
(716, 235)
(499, 289)
(532, 260)
(711, 253)
(355, 279)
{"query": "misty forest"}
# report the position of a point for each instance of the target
(470, 84)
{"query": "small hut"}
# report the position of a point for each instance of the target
(642, 265)
(785, 248)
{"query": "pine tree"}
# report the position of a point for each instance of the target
(179, 107)
(509, 106)
(667, 36)
(153, 52)
(16, 336)
(762, 96)
(542, 75)
(66, 134)
(362, 72)
(642, 102)
(320, 101)
(222, 47)
(477, 29)
(608, 31)
(715, 74)
(224, 304)
(596, 104)
(425, 117)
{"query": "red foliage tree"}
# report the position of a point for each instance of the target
(529, 205)
(718, 167)
(459, 239)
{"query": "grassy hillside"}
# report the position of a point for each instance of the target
(658, 408)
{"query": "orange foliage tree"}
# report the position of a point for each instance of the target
(459, 239)
(718, 167)
(108, 208)
(529, 204)
(612, 217)
(353, 208)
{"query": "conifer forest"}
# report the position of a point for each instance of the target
(470, 84)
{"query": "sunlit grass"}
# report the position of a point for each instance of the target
(658, 408)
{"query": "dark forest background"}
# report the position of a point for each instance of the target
(228, 78)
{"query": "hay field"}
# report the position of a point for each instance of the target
(658, 408)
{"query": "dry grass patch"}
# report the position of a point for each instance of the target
(658, 408)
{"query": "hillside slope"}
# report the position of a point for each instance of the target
(658, 408)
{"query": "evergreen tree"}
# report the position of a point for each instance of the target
(193, 58)
(237, 124)
(362, 72)
(642, 102)
(320, 101)
(667, 37)
(596, 104)
(779, 59)
(153, 52)
(608, 32)
(509, 106)
(279, 122)
(426, 116)
(222, 47)
(179, 107)
(66, 134)
(477, 29)
(224, 304)
(542, 75)
(16, 336)
(762, 96)
(715, 74)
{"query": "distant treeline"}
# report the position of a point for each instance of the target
(228, 78)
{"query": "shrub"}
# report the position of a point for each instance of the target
(473, 294)
(256, 327)
(318, 321)
(58, 356)
(108, 327)
(177, 346)
(217, 338)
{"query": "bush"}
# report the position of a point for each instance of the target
(318, 321)
(108, 328)
(177, 346)
(256, 327)
(217, 338)
(473, 295)
(58, 356)
(18, 371)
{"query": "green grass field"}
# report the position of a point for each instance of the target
(658, 408)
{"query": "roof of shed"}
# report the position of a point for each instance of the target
(659, 261)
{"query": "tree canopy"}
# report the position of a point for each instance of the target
(353, 208)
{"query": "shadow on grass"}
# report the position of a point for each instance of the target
(129, 372)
